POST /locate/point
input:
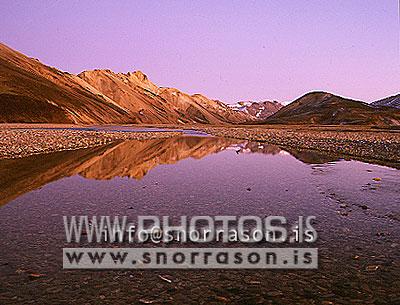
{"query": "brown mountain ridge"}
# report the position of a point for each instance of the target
(33, 92)
(322, 108)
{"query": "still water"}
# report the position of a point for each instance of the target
(356, 204)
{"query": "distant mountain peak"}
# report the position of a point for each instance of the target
(391, 101)
(258, 110)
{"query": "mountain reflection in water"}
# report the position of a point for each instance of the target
(133, 159)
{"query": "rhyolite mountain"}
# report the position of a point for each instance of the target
(33, 92)
(322, 108)
(391, 101)
(258, 110)
(148, 103)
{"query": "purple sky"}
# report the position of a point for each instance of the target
(228, 50)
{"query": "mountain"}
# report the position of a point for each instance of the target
(148, 103)
(33, 92)
(392, 101)
(322, 108)
(258, 110)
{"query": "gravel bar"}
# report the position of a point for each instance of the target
(18, 143)
(376, 145)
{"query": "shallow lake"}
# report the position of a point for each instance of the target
(356, 204)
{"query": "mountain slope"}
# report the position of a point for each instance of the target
(392, 101)
(33, 92)
(322, 108)
(148, 103)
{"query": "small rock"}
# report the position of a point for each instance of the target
(371, 268)
(144, 301)
(164, 278)
(376, 179)
(274, 293)
(33, 276)
(248, 189)
(222, 299)
(364, 207)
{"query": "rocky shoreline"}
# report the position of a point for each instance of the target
(374, 145)
(367, 144)
(18, 143)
